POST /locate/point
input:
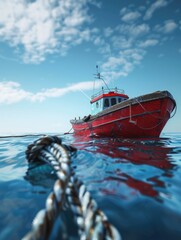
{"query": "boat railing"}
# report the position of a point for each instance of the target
(104, 91)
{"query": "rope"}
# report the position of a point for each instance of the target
(24, 135)
(149, 128)
(175, 110)
(130, 116)
(92, 222)
(68, 131)
(145, 111)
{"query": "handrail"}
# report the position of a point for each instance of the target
(103, 91)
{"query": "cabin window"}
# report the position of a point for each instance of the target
(119, 99)
(113, 101)
(97, 104)
(106, 102)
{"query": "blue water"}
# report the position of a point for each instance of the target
(136, 182)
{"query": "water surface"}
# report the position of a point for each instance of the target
(136, 182)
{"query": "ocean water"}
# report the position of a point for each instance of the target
(136, 183)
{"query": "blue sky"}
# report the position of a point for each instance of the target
(49, 50)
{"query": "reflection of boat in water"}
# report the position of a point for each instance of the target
(115, 115)
(140, 151)
(148, 159)
(134, 181)
(149, 156)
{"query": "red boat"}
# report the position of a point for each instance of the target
(115, 115)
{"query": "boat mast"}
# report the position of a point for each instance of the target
(98, 76)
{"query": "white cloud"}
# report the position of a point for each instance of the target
(108, 32)
(148, 43)
(122, 64)
(140, 30)
(50, 26)
(123, 11)
(44, 27)
(133, 30)
(125, 45)
(8, 58)
(96, 3)
(121, 48)
(121, 42)
(11, 92)
(156, 5)
(123, 52)
(168, 27)
(131, 16)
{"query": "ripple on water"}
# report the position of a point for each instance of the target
(136, 182)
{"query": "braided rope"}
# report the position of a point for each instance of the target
(92, 222)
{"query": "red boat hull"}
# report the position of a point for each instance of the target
(144, 116)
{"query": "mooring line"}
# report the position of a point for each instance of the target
(91, 221)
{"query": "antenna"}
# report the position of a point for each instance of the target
(98, 73)
(98, 76)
